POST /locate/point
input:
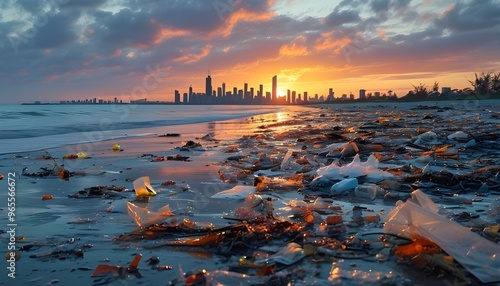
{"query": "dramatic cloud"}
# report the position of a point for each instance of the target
(73, 49)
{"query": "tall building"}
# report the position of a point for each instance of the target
(223, 89)
(208, 86)
(177, 97)
(190, 95)
(362, 93)
(275, 88)
(331, 95)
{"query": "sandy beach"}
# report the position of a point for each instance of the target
(63, 238)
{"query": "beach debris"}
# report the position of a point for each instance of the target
(153, 260)
(1, 176)
(177, 157)
(118, 271)
(368, 191)
(492, 232)
(104, 192)
(494, 210)
(144, 217)
(288, 255)
(116, 147)
(344, 186)
(46, 197)
(426, 139)
(143, 187)
(170, 135)
(356, 168)
(79, 155)
(418, 217)
(168, 183)
(459, 136)
(191, 145)
(57, 170)
(238, 192)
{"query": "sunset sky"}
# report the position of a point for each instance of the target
(130, 49)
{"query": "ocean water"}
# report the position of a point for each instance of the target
(35, 127)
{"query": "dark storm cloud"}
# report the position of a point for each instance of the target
(123, 29)
(58, 31)
(470, 16)
(380, 5)
(339, 18)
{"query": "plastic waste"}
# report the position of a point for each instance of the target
(144, 217)
(143, 187)
(116, 147)
(288, 255)
(427, 138)
(494, 210)
(418, 217)
(355, 169)
(366, 191)
(344, 186)
(237, 192)
(459, 135)
(118, 271)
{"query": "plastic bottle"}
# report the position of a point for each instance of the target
(366, 191)
(344, 186)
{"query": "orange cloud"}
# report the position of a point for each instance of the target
(329, 42)
(193, 57)
(242, 15)
(166, 33)
(296, 48)
(448, 10)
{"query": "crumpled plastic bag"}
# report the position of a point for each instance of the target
(355, 169)
(419, 216)
(144, 217)
(238, 192)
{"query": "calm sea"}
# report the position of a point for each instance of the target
(35, 127)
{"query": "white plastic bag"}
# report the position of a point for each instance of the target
(418, 216)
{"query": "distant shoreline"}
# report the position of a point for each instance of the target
(339, 101)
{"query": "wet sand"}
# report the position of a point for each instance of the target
(68, 223)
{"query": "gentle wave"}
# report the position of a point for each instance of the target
(31, 127)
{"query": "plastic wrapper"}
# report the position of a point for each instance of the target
(238, 192)
(418, 217)
(288, 255)
(143, 187)
(144, 217)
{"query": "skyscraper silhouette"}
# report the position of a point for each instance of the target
(275, 88)
(208, 86)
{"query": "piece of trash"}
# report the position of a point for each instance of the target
(143, 187)
(355, 169)
(168, 183)
(144, 217)
(458, 136)
(1, 176)
(237, 192)
(419, 218)
(494, 211)
(120, 271)
(46, 197)
(288, 255)
(153, 260)
(116, 147)
(344, 186)
(366, 191)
